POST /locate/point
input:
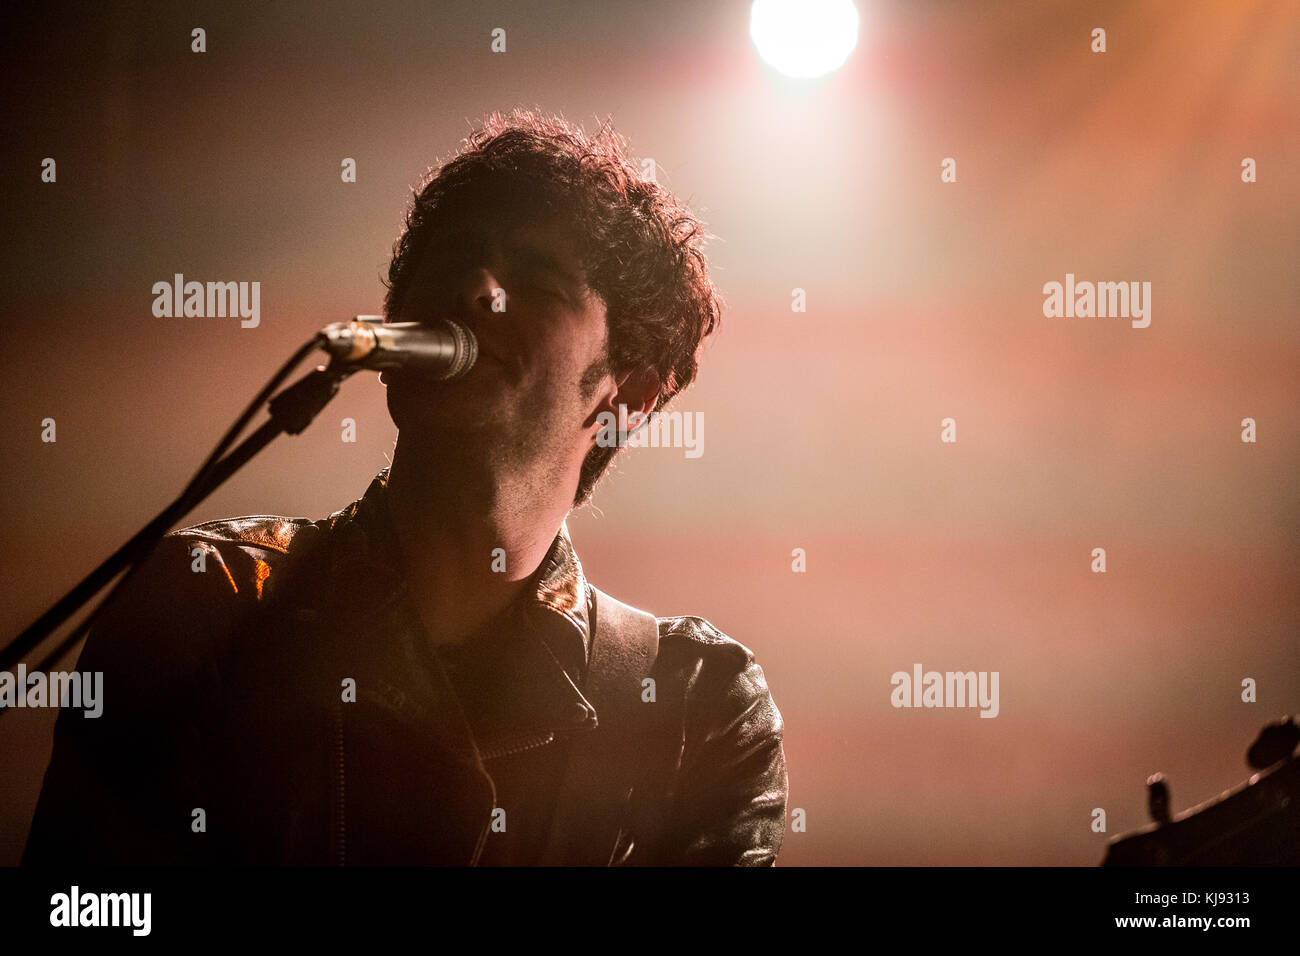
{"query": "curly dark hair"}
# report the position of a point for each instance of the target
(641, 249)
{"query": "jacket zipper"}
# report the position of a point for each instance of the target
(340, 854)
(513, 745)
(517, 745)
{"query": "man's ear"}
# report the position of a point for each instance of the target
(639, 391)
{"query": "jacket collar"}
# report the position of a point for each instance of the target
(549, 631)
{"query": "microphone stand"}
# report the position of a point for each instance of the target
(292, 410)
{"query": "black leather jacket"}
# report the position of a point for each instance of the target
(229, 733)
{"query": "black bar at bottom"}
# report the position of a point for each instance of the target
(656, 909)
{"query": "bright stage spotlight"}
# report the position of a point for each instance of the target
(804, 38)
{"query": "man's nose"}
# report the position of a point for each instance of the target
(477, 291)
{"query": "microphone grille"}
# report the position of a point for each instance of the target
(466, 350)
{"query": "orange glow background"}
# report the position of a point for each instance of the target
(822, 428)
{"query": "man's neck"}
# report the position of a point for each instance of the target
(470, 542)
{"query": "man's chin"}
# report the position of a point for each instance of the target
(443, 408)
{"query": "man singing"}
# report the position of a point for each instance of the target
(426, 677)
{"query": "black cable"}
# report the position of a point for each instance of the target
(250, 411)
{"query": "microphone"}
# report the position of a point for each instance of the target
(447, 350)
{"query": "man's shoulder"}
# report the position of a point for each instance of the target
(694, 634)
(270, 532)
(714, 665)
(247, 547)
(175, 612)
(694, 653)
